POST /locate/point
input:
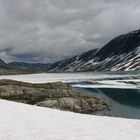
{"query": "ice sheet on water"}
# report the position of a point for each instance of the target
(95, 80)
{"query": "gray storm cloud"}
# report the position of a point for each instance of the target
(50, 30)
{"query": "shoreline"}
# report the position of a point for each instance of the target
(53, 95)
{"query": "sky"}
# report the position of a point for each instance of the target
(50, 30)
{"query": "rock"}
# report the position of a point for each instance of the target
(80, 105)
(53, 95)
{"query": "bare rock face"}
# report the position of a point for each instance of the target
(81, 105)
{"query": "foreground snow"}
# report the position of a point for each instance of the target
(24, 122)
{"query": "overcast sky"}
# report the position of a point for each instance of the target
(50, 30)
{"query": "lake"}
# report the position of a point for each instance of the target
(120, 89)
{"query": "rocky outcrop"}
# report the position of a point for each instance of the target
(53, 95)
(80, 105)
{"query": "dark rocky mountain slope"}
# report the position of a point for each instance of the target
(121, 53)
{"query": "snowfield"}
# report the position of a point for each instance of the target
(25, 122)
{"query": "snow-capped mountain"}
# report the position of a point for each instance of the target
(121, 53)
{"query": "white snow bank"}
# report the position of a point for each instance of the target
(25, 122)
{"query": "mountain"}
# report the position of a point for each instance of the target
(3, 65)
(69, 63)
(36, 67)
(121, 53)
(6, 69)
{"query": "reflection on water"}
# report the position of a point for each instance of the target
(125, 102)
(120, 89)
(130, 97)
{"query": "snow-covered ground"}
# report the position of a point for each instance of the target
(25, 122)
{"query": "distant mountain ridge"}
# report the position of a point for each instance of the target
(3, 64)
(5, 69)
(121, 53)
(36, 67)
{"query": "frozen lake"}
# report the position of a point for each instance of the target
(84, 80)
(122, 90)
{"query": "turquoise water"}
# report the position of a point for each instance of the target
(124, 102)
(123, 93)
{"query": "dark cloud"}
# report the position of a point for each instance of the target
(50, 30)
